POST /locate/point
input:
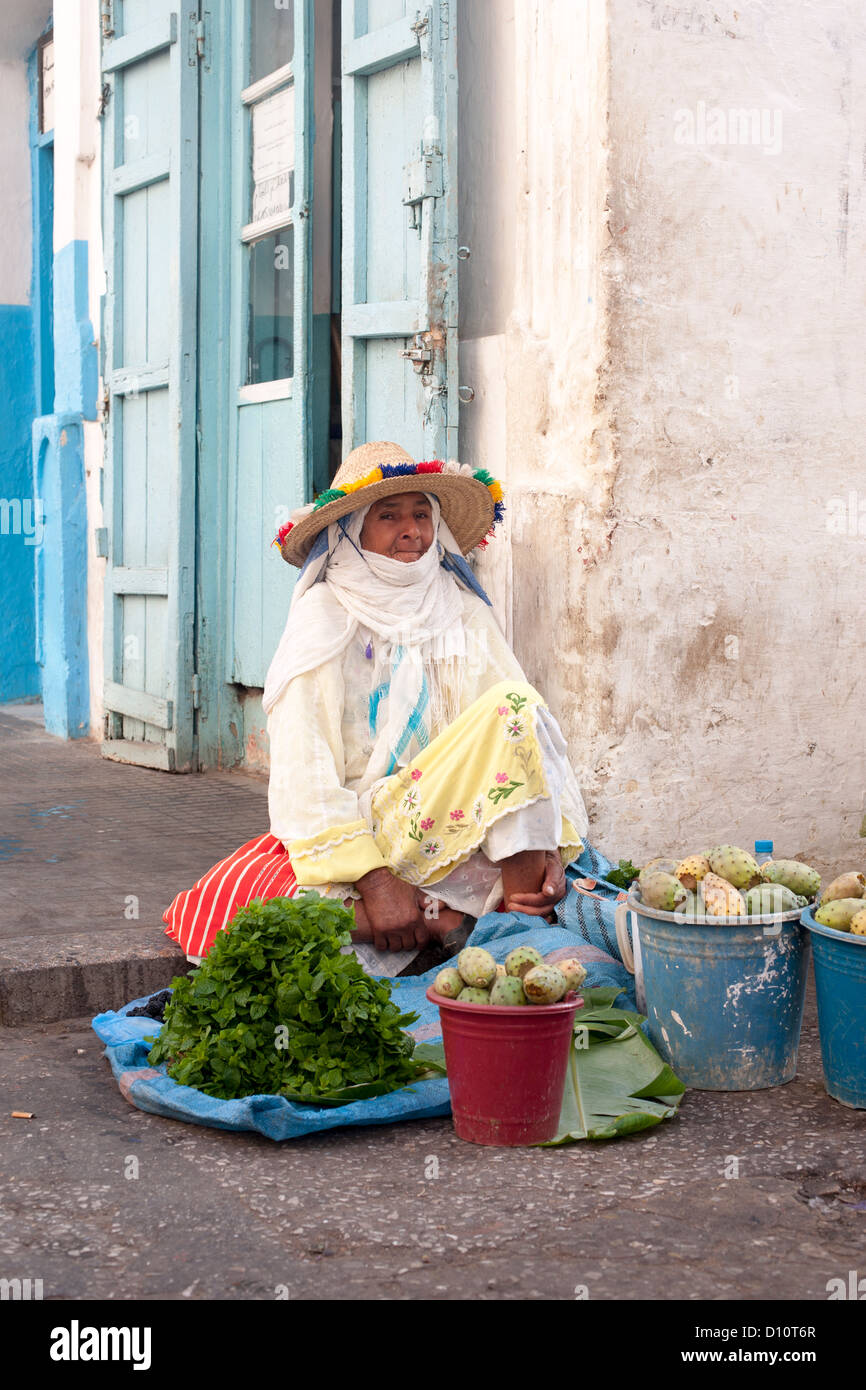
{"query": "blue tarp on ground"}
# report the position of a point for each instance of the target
(590, 920)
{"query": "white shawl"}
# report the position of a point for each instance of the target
(413, 609)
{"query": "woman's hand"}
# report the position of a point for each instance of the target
(392, 911)
(553, 890)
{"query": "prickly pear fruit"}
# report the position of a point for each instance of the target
(858, 923)
(521, 959)
(661, 866)
(800, 878)
(574, 972)
(735, 866)
(477, 967)
(851, 885)
(720, 898)
(662, 891)
(771, 897)
(448, 983)
(839, 913)
(470, 995)
(500, 970)
(544, 984)
(507, 990)
(692, 869)
(691, 909)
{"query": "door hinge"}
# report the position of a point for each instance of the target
(103, 405)
(104, 99)
(199, 46)
(100, 534)
(107, 15)
(196, 690)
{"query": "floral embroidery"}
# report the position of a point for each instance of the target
(497, 794)
(515, 728)
(423, 835)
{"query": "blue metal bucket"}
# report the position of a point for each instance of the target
(724, 1002)
(840, 983)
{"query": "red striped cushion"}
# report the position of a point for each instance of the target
(259, 869)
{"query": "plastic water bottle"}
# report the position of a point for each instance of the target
(763, 850)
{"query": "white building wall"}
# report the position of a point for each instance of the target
(676, 367)
(665, 343)
(16, 233)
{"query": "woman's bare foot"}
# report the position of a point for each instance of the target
(439, 920)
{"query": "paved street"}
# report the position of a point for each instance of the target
(100, 1200)
(744, 1196)
(80, 833)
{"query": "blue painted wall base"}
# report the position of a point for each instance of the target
(61, 570)
(19, 675)
(76, 364)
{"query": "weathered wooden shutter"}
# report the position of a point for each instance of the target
(270, 428)
(150, 61)
(399, 92)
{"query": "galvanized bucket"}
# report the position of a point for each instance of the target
(724, 1002)
(840, 983)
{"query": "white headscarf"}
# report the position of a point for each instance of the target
(413, 609)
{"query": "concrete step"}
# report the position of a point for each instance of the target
(49, 979)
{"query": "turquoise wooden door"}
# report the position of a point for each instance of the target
(150, 153)
(271, 318)
(399, 294)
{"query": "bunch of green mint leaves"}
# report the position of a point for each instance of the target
(276, 1009)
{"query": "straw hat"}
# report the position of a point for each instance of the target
(471, 502)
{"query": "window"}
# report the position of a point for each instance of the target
(269, 233)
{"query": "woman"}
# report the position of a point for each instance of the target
(415, 774)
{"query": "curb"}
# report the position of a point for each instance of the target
(50, 979)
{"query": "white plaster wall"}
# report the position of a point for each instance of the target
(533, 84)
(724, 618)
(78, 217)
(678, 363)
(16, 235)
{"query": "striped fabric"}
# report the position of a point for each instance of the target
(259, 869)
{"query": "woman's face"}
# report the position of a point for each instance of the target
(400, 527)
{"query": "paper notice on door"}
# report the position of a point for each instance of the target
(273, 154)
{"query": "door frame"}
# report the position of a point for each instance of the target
(173, 710)
(224, 192)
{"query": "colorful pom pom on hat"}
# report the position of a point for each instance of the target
(471, 501)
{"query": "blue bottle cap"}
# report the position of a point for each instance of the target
(763, 846)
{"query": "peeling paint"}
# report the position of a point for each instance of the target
(766, 978)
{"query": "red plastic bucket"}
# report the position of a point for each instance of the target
(506, 1068)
